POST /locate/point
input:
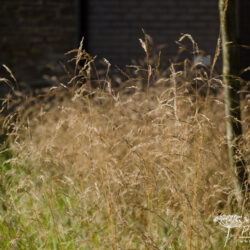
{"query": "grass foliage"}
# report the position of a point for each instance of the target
(142, 166)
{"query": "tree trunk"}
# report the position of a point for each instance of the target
(232, 96)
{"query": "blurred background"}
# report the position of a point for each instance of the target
(35, 34)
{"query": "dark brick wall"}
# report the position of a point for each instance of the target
(35, 34)
(244, 36)
(115, 25)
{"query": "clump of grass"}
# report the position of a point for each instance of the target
(143, 167)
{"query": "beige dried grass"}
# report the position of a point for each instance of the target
(147, 164)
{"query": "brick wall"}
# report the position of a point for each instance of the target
(244, 36)
(115, 26)
(35, 34)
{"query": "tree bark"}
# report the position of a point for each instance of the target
(232, 86)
